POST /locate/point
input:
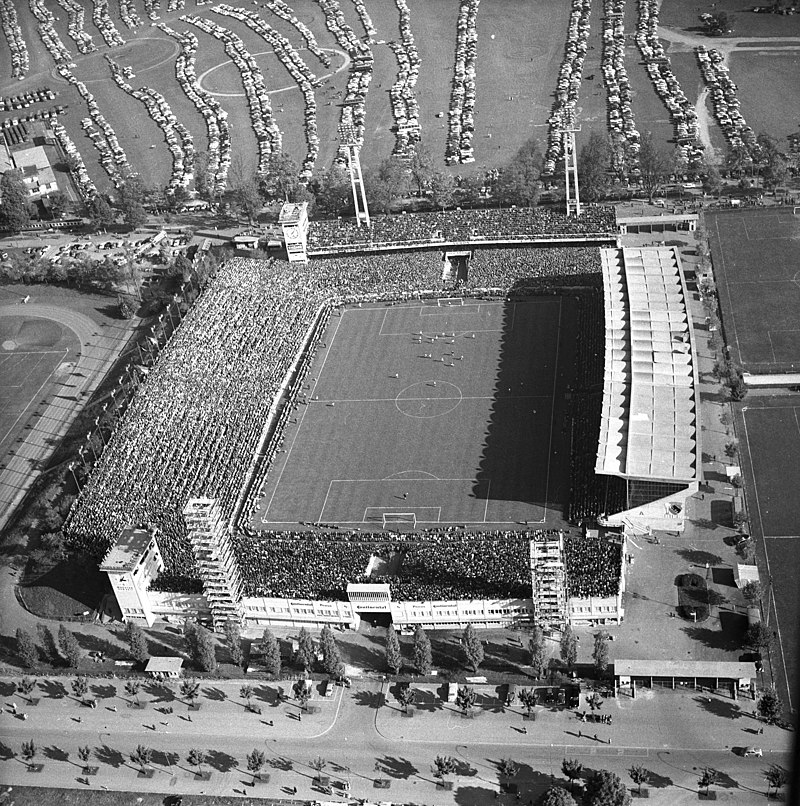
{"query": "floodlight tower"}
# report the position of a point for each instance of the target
(571, 168)
(349, 140)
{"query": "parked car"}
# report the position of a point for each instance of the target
(752, 751)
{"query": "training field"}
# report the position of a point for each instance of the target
(756, 256)
(469, 432)
(32, 354)
(771, 431)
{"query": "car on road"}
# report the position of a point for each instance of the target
(752, 751)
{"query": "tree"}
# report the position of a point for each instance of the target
(142, 756)
(444, 765)
(200, 644)
(85, 753)
(712, 180)
(473, 648)
(775, 777)
(423, 657)
(26, 648)
(443, 189)
(29, 751)
(318, 764)
(248, 199)
(255, 762)
(639, 775)
(196, 758)
(556, 796)
(246, 692)
(305, 649)
(132, 687)
(508, 767)
(717, 24)
(387, 183)
(137, 642)
(131, 194)
(281, 181)
(527, 697)
(59, 203)
(752, 591)
(233, 641)
(333, 190)
(758, 637)
(600, 652)
(653, 164)
(14, 209)
(26, 686)
(405, 696)
(708, 778)
(100, 212)
(572, 768)
(68, 645)
(538, 652)
(465, 698)
(302, 695)
(594, 163)
(331, 656)
(394, 658)
(770, 706)
(604, 788)
(272, 653)
(568, 648)
(421, 166)
(203, 179)
(190, 689)
(519, 181)
(48, 642)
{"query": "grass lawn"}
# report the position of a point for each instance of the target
(46, 796)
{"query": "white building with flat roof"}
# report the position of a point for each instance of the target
(132, 563)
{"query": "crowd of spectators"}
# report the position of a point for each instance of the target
(280, 9)
(594, 565)
(48, 34)
(569, 83)
(461, 115)
(405, 108)
(20, 58)
(127, 13)
(459, 226)
(296, 67)
(80, 175)
(361, 67)
(499, 268)
(624, 137)
(268, 136)
(657, 63)
(725, 101)
(104, 24)
(75, 16)
(179, 139)
(216, 118)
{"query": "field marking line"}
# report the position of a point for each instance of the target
(300, 422)
(766, 558)
(325, 503)
(383, 322)
(406, 481)
(552, 409)
(781, 537)
(395, 400)
(488, 493)
(771, 347)
(728, 289)
(34, 396)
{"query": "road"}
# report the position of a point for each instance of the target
(361, 740)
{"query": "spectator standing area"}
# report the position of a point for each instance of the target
(451, 412)
(756, 266)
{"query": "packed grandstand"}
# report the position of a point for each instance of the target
(195, 423)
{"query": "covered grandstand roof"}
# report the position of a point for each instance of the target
(648, 426)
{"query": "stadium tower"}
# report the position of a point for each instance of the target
(216, 563)
(548, 579)
(349, 141)
(571, 169)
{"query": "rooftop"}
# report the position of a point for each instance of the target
(732, 670)
(127, 550)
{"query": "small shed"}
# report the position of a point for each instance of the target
(744, 574)
(161, 668)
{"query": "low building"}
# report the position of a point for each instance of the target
(37, 173)
(731, 676)
(163, 668)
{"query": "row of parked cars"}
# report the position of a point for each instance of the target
(20, 58)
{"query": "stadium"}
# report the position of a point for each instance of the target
(386, 431)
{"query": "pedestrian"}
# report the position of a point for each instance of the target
(113, 707)
(14, 707)
(761, 730)
(595, 737)
(405, 495)
(580, 734)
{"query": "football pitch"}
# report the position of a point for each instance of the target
(452, 413)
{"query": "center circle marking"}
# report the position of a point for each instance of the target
(428, 399)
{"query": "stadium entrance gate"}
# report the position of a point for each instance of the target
(456, 266)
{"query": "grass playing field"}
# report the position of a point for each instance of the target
(755, 264)
(465, 428)
(34, 353)
(770, 428)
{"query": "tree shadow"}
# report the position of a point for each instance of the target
(105, 692)
(55, 753)
(108, 755)
(6, 753)
(464, 769)
(266, 694)
(725, 781)
(427, 701)
(54, 689)
(728, 637)
(224, 762)
(165, 759)
(723, 576)
(7, 689)
(370, 699)
(215, 694)
(92, 643)
(727, 709)
(722, 513)
(658, 781)
(699, 557)
(282, 764)
(366, 658)
(396, 767)
(474, 795)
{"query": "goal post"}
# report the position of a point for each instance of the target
(450, 302)
(405, 518)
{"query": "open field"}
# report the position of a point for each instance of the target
(471, 435)
(520, 48)
(755, 265)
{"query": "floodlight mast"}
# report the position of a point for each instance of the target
(571, 167)
(349, 140)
